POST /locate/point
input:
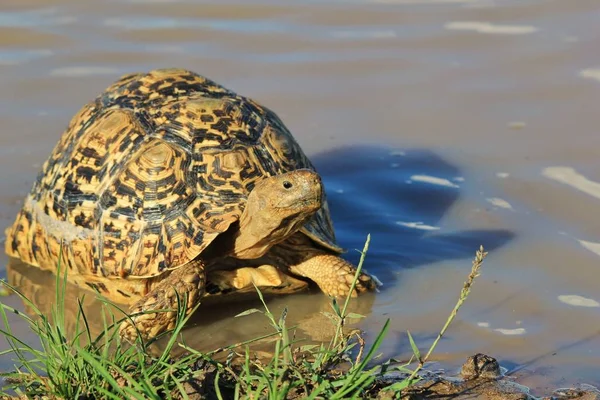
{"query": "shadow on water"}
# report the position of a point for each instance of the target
(380, 191)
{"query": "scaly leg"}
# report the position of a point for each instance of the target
(187, 281)
(262, 276)
(332, 274)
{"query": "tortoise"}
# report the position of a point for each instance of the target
(167, 176)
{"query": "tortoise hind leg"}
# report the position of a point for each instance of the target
(240, 278)
(187, 282)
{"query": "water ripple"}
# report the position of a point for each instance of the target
(486, 27)
(78, 71)
(34, 19)
(19, 56)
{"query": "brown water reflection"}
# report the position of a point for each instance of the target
(213, 326)
(505, 91)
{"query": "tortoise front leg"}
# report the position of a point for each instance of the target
(187, 281)
(332, 274)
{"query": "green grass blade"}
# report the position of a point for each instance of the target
(414, 347)
(363, 254)
(352, 382)
(248, 312)
(217, 387)
(100, 369)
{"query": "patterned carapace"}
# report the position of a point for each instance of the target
(149, 173)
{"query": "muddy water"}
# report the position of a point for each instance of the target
(438, 125)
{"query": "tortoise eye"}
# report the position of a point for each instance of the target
(287, 184)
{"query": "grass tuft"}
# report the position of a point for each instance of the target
(413, 376)
(80, 366)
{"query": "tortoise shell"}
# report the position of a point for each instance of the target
(149, 173)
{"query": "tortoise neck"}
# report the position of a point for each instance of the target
(259, 232)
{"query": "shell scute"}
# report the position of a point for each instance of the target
(120, 240)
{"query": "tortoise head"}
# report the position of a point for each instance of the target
(277, 207)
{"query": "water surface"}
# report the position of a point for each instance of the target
(437, 125)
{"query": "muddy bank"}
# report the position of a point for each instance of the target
(480, 378)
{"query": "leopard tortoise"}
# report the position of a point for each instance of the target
(167, 177)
